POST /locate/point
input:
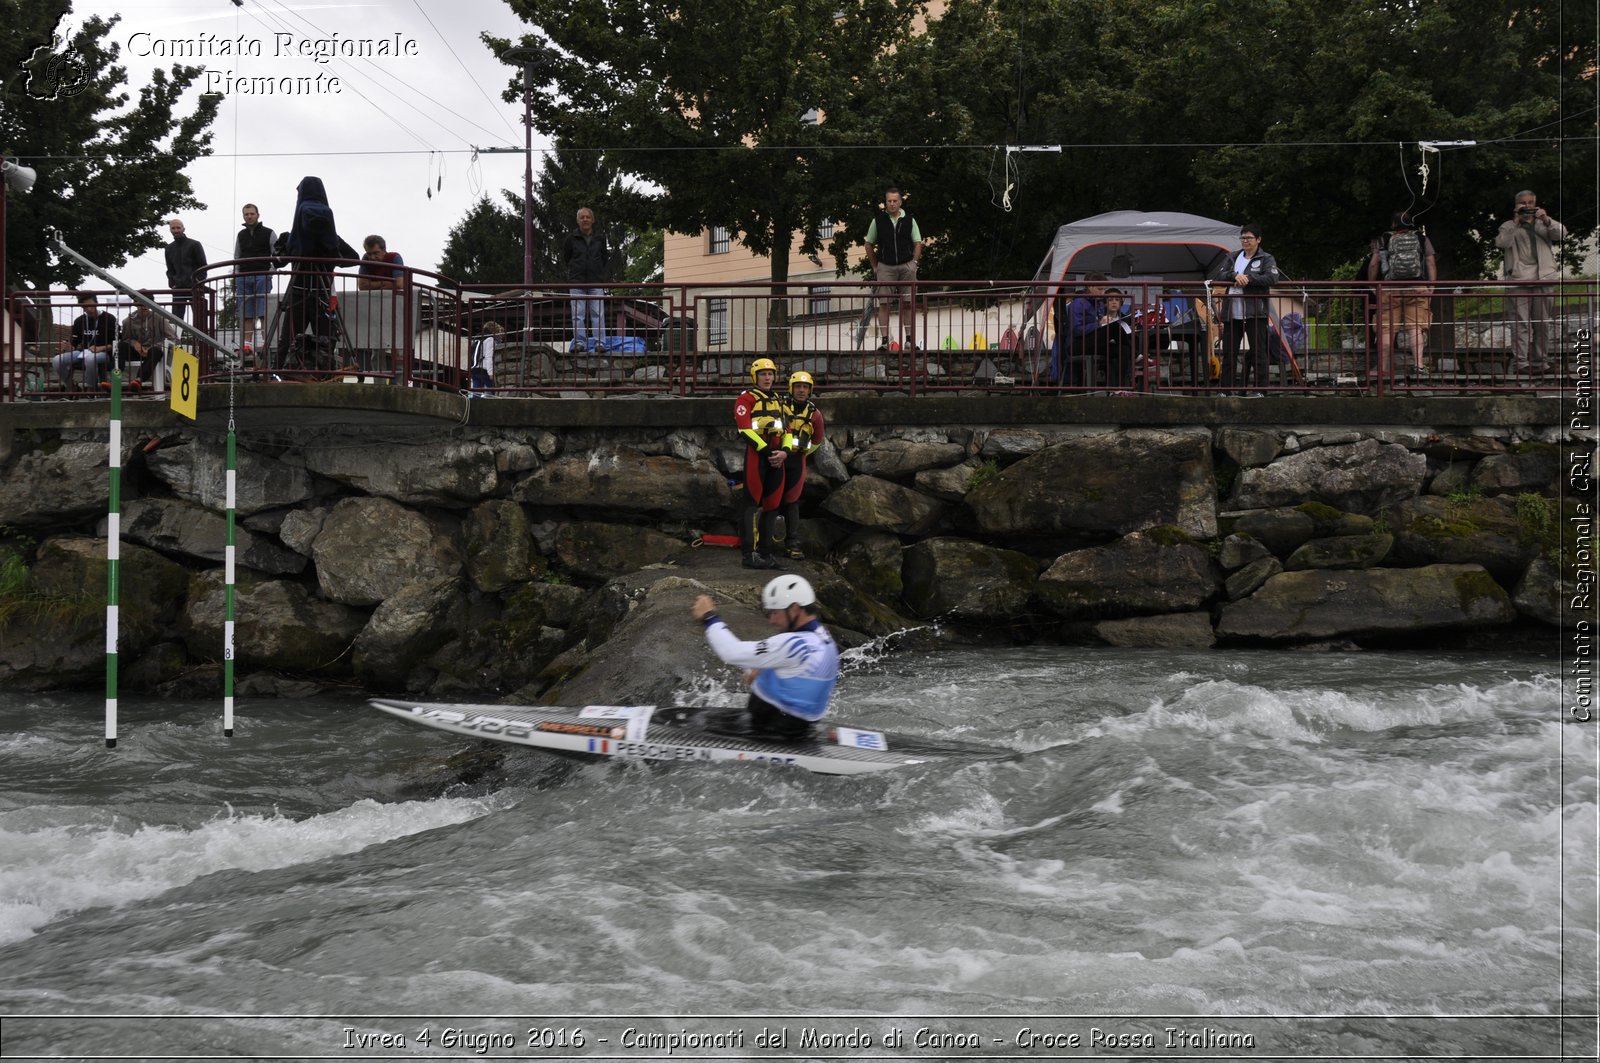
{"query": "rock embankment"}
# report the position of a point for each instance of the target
(501, 562)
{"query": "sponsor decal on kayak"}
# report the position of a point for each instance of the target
(592, 730)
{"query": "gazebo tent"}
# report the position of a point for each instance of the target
(1141, 246)
(1130, 243)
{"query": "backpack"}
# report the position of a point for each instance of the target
(1405, 256)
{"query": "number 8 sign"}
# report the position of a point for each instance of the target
(185, 383)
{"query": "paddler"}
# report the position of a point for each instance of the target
(793, 673)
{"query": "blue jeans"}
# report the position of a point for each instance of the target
(588, 315)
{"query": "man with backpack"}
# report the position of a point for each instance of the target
(1404, 260)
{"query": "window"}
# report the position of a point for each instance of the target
(811, 117)
(825, 231)
(719, 240)
(821, 301)
(716, 322)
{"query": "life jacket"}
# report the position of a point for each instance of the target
(761, 417)
(801, 425)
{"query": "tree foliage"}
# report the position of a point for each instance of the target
(110, 167)
(714, 102)
(1304, 117)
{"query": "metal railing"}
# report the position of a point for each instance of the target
(1322, 337)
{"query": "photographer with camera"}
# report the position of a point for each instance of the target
(1528, 242)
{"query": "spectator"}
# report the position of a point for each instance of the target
(307, 300)
(894, 250)
(252, 282)
(1403, 259)
(482, 372)
(1528, 241)
(587, 256)
(379, 266)
(94, 337)
(1076, 325)
(186, 267)
(1252, 273)
(144, 336)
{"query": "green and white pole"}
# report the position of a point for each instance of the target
(113, 556)
(227, 589)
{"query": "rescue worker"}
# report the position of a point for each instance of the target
(804, 425)
(759, 414)
(791, 674)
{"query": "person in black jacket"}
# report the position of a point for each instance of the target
(1249, 275)
(186, 266)
(586, 256)
(307, 300)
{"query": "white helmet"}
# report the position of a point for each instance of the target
(786, 591)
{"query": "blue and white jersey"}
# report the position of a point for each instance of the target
(796, 670)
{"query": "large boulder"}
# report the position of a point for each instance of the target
(53, 485)
(1545, 595)
(499, 545)
(1323, 604)
(1361, 477)
(58, 637)
(1108, 484)
(900, 458)
(968, 581)
(873, 561)
(1134, 575)
(1532, 469)
(279, 625)
(190, 529)
(1341, 551)
(1282, 530)
(405, 630)
(451, 474)
(372, 548)
(1478, 531)
(596, 550)
(876, 503)
(196, 470)
(625, 480)
(951, 483)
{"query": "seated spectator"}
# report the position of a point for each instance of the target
(378, 266)
(144, 336)
(94, 337)
(1076, 323)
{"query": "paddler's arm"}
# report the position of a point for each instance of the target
(724, 643)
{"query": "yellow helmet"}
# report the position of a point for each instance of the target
(762, 363)
(800, 376)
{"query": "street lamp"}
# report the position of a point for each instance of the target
(530, 59)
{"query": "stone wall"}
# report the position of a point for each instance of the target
(459, 560)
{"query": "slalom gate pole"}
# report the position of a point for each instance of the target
(228, 582)
(113, 550)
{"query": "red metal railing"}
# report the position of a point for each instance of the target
(1323, 338)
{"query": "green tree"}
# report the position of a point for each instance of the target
(110, 168)
(1302, 116)
(728, 130)
(485, 247)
